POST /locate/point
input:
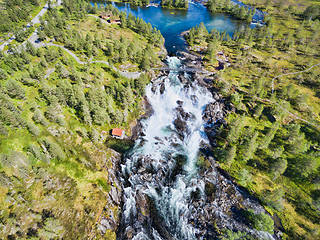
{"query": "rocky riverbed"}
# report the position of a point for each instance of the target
(211, 201)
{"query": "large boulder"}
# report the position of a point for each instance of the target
(213, 112)
(180, 124)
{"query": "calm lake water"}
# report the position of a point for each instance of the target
(172, 23)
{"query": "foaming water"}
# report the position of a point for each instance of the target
(169, 189)
(160, 174)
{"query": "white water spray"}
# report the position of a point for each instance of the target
(163, 166)
(163, 144)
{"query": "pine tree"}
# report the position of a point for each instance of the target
(265, 141)
(244, 177)
(235, 130)
(95, 9)
(278, 167)
(123, 19)
(30, 49)
(250, 147)
(231, 154)
(258, 110)
(15, 90)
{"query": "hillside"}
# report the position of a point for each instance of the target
(15, 15)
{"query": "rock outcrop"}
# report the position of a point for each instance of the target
(109, 218)
(223, 206)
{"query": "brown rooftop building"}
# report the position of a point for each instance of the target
(118, 133)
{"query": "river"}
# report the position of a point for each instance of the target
(163, 163)
(165, 195)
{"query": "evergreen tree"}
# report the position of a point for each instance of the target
(278, 167)
(123, 19)
(231, 154)
(250, 147)
(235, 130)
(95, 9)
(244, 177)
(15, 90)
(265, 141)
(258, 110)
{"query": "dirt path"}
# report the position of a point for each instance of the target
(133, 75)
(286, 74)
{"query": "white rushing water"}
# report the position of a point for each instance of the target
(163, 145)
(160, 174)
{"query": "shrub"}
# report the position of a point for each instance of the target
(260, 221)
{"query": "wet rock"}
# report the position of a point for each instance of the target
(136, 129)
(154, 88)
(142, 204)
(142, 170)
(182, 78)
(180, 103)
(180, 125)
(211, 134)
(182, 113)
(129, 233)
(213, 112)
(162, 88)
(215, 96)
(146, 177)
(115, 195)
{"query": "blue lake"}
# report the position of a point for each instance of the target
(172, 23)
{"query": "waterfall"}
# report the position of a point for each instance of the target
(160, 175)
(171, 157)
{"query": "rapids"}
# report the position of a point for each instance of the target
(172, 154)
(164, 194)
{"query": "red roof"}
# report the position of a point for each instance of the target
(117, 132)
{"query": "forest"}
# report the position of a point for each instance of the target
(179, 4)
(14, 15)
(239, 12)
(55, 117)
(270, 143)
